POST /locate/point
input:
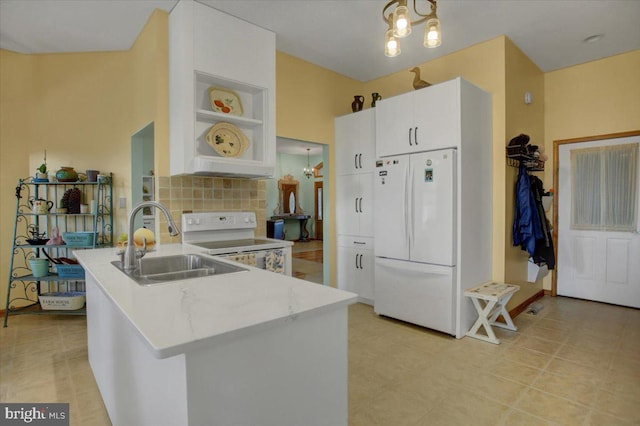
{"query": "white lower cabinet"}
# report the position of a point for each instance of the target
(355, 260)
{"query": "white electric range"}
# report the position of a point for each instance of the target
(232, 235)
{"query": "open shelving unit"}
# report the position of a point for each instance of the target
(23, 288)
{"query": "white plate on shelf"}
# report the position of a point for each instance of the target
(225, 101)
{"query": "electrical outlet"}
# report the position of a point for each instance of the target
(122, 202)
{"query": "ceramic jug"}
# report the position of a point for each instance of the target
(67, 174)
(40, 206)
(357, 103)
(376, 97)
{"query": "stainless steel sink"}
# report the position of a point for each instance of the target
(158, 270)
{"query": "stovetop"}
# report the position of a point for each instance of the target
(214, 245)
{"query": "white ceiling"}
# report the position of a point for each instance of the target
(343, 35)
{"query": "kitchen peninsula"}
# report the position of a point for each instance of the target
(244, 348)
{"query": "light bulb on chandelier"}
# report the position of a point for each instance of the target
(308, 171)
(399, 25)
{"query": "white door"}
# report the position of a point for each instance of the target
(432, 212)
(390, 213)
(596, 264)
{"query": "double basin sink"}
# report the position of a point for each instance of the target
(162, 269)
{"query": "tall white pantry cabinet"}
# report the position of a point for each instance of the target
(355, 162)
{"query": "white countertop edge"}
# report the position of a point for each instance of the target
(178, 344)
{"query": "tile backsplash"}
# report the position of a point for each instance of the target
(182, 194)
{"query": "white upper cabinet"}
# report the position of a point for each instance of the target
(212, 51)
(355, 142)
(423, 120)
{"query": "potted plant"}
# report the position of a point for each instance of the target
(41, 171)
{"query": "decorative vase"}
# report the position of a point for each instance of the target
(376, 97)
(357, 103)
(66, 174)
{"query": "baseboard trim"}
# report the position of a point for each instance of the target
(522, 306)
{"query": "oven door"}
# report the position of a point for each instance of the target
(274, 260)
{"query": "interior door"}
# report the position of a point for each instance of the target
(600, 265)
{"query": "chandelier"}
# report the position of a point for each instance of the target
(308, 171)
(400, 23)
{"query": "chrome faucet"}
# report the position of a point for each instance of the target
(129, 258)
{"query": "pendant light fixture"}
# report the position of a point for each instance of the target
(308, 171)
(399, 25)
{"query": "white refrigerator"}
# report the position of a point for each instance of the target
(415, 244)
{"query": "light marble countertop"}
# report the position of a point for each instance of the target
(179, 316)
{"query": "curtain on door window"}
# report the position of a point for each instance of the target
(604, 188)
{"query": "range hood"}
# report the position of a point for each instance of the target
(202, 166)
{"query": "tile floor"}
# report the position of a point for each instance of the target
(575, 362)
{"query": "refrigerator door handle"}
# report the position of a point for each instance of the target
(410, 207)
(410, 130)
(406, 206)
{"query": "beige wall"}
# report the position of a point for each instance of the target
(83, 108)
(308, 98)
(522, 76)
(483, 65)
(596, 98)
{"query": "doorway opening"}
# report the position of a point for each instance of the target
(310, 255)
(142, 175)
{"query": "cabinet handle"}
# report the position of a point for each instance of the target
(356, 260)
(360, 160)
(359, 242)
(360, 204)
(415, 136)
(361, 261)
(356, 204)
(410, 130)
(355, 160)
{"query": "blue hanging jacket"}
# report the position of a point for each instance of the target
(526, 222)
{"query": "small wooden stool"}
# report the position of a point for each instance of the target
(495, 297)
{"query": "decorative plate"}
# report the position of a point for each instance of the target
(225, 101)
(227, 140)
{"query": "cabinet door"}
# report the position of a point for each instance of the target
(354, 205)
(365, 205)
(394, 120)
(347, 272)
(346, 143)
(366, 266)
(355, 142)
(347, 204)
(437, 116)
(366, 141)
